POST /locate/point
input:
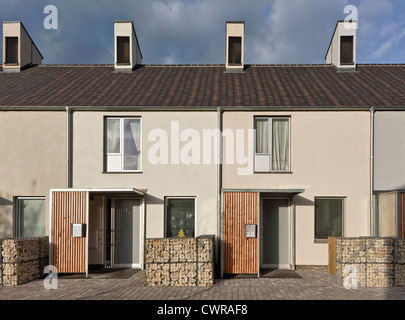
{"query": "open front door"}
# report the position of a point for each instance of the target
(126, 233)
(68, 241)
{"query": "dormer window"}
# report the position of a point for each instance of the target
(123, 55)
(235, 50)
(346, 50)
(11, 50)
(234, 46)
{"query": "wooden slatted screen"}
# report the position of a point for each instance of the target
(68, 253)
(240, 253)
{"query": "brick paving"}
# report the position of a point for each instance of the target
(313, 285)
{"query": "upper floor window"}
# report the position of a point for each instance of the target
(11, 50)
(272, 145)
(122, 144)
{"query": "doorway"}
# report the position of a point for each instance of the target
(115, 232)
(275, 233)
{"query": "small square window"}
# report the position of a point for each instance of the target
(180, 217)
(30, 216)
(328, 218)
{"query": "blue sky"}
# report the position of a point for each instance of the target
(193, 31)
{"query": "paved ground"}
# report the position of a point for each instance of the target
(310, 285)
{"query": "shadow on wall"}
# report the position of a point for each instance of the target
(301, 201)
(6, 218)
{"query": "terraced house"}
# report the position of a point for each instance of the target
(271, 159)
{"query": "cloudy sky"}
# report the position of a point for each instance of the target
(193, 31)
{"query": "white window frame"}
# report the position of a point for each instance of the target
(263, 161)
(120, 155)
(17, 216)
(166, 203)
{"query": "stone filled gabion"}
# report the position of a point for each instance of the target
(23, 259)
(370, 262)
(180, 261)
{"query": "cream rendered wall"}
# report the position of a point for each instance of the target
(33, 159)
(330, 154)
(389, 150)
(161, 180)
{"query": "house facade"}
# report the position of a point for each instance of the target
(271, 159)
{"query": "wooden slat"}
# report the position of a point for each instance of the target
(68, 253)
(332, 255)
(402, 216)
(240, 253)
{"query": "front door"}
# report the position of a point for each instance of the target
(125, 233)
(275, 233)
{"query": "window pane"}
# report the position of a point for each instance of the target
(132, 144)
(30, 217)
(281, 144)
(262, 135)
(235, 50)
(328, 218)
(123, 50)
(11, 49)
(113, 135)
(180, 216)
(346, 49)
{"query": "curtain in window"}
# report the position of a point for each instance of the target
(262, 136)
(281, 144)
(132, 142)
(113, 135)
(136, 134)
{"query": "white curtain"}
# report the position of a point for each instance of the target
(113, 135)
(262, 136)
(136, 134)
(281, 144)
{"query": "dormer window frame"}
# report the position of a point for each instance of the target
(14, 62)
(342, 52)
(231, 52)
(119, 47)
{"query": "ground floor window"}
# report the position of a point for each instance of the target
(180, 217)
(30, 216)
(328, 218)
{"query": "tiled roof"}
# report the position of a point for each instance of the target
(205, 86)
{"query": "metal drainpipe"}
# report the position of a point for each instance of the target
(219, 193)
(372, 209)
(68, 148)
